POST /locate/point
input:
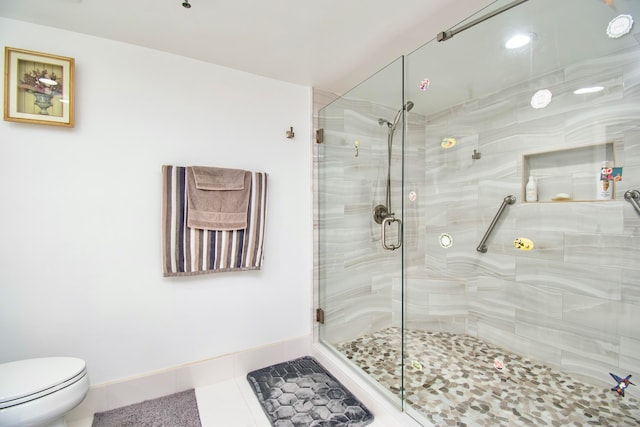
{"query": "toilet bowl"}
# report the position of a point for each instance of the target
(38, 392)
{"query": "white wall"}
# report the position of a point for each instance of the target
(80, 270)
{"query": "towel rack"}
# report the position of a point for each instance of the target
(509, 200)
(633, 197)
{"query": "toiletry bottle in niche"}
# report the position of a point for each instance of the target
(531, 190)
(604, 190)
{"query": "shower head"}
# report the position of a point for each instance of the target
(406, 107)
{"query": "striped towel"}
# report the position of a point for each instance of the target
(189, 251)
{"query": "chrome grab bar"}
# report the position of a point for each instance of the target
(633, 197)
(509, 200)
(388, 220)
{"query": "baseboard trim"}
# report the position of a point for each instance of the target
(151, 385)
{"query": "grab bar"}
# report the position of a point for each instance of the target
(389, 220)
(509, 200)
(633, 196)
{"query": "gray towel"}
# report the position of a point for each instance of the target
(217, 198)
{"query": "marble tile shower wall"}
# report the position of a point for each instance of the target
(573, 301)
(358, 273)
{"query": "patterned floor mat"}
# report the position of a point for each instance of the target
(302, 393)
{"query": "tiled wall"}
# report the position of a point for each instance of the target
(350, 187)
(572, 302)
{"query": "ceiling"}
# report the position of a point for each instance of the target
(334, 45)
(328, 44)
(475, 63)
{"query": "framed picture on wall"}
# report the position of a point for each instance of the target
(38, 88)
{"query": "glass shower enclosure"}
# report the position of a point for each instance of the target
(446, 281)
(359, 168)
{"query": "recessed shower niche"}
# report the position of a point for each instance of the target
(573, 172)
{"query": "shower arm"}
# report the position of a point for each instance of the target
(509, 200)
(633, 197)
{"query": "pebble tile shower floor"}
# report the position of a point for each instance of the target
(451, 380)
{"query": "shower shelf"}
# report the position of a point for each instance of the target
(572, 171)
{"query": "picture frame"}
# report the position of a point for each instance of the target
(38, 88)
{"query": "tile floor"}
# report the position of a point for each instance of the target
(453, 380)
(225, 398)
(230, 403)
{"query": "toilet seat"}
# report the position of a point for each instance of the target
(31, 379)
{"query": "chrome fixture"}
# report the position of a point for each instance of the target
(290, 133)
(446, 35)
(445, 240)
(633, 197)
(509, 200)
(388, 221)
(381, 212)
(476, 155)
(186, 4)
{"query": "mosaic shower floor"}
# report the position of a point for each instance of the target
(451, 380)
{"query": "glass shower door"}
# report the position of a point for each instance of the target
(532, 330)
(359, 213)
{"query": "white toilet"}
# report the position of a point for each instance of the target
(38, 392)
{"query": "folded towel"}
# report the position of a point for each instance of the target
(217, 198)
(218, 178)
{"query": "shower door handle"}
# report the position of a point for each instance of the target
(387, 221)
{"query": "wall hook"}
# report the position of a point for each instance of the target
(476, 155)
(290, 133)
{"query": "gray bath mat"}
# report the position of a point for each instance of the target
(302, 393)
(176, 410)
